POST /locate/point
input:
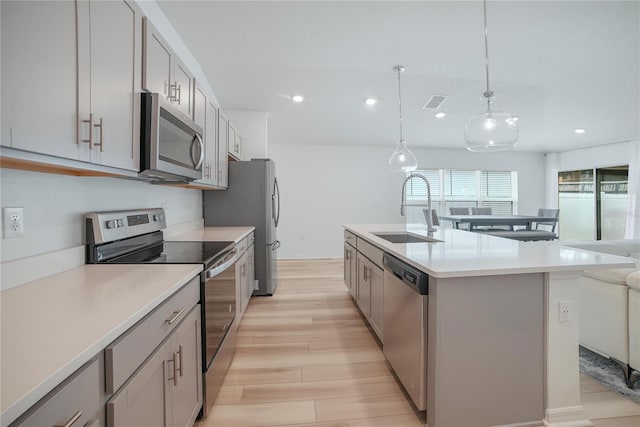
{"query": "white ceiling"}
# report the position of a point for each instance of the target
(558, 65)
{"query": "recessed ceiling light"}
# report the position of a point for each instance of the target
(297, 98)
(440, 114)
(579, 131)
(515, 118)
(370, 101)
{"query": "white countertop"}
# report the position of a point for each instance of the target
(52, 326)
(214, 234)
(462, 253)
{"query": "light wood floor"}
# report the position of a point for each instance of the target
(305, 357)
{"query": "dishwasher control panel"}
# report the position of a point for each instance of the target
(409, 275)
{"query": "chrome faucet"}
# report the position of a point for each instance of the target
(403, 203)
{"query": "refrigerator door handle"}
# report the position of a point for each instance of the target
(276, 189)
(275, 245)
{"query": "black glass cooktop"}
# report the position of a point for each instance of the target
(177, 253)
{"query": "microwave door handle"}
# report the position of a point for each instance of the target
(198, 163)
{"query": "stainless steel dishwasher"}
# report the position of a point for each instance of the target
(405, 326)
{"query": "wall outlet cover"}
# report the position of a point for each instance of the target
(13, 222)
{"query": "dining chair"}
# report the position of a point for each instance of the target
(459, 211)
(548, 213)
(481, 211)
(434, 216)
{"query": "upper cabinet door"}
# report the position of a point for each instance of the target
(39, 77)
(157, 70)
(183, 87)
(211, 144)
(223, 149)
(114, 85)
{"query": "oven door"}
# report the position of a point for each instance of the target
(172, 145)
(218, 296)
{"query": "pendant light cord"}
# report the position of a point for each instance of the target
(488, 94)
(400, 69)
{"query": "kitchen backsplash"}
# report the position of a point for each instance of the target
(54, 207)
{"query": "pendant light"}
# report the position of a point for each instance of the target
(490, 131)
(402, 160)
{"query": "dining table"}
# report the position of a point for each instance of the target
(510, 221)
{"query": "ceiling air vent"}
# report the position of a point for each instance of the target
(434, 102)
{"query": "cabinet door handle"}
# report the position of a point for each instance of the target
(177, 92)
(101, 134)
(90, 122)
(180, 359)
(174, 360)
(175, 316)
(71, 421)
(365, 274)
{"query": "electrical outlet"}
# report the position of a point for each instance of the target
(13, 222)
(564, 312)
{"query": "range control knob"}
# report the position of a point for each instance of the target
(112, 223)
(120, 222)
(158, 217)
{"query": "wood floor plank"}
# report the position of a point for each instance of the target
(345, 371)
(618, 422)
(354, 387)
(362, 407)
(412, 420)
(259, 415)
(229, 394)
(263, 376)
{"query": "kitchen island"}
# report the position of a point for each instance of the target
(497, 351)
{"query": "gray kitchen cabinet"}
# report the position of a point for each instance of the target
(350, 274)
(183, 87)
(205, 114)
(186, 390)
(376, 279)
(235, 142)
(38, 100)
(109, 67)
(157, 69)
(163, 72)
(223, 149)
(144, 401)
(245, 274)
(364, 278)
(251, 273)
(74, 402)
(167, 389)
(364, 285)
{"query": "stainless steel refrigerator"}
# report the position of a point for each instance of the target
(253, 198)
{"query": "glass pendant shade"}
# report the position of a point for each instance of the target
(491, 131)
(402, 160)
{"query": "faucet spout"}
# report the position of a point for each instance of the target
(403, 201)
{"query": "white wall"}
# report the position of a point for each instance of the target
(595, 157)
(252, 126)
(324, 187)
(54, 206)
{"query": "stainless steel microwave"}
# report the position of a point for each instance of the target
(171, 146)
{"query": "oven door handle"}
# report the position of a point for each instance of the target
(226, 262)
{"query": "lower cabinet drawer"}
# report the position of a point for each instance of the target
(126, 354)
(74, 402)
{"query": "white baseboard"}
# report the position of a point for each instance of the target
(573, 416)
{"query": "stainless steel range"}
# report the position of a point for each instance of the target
(135, 237)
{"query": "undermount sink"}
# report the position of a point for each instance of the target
(405, 238)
